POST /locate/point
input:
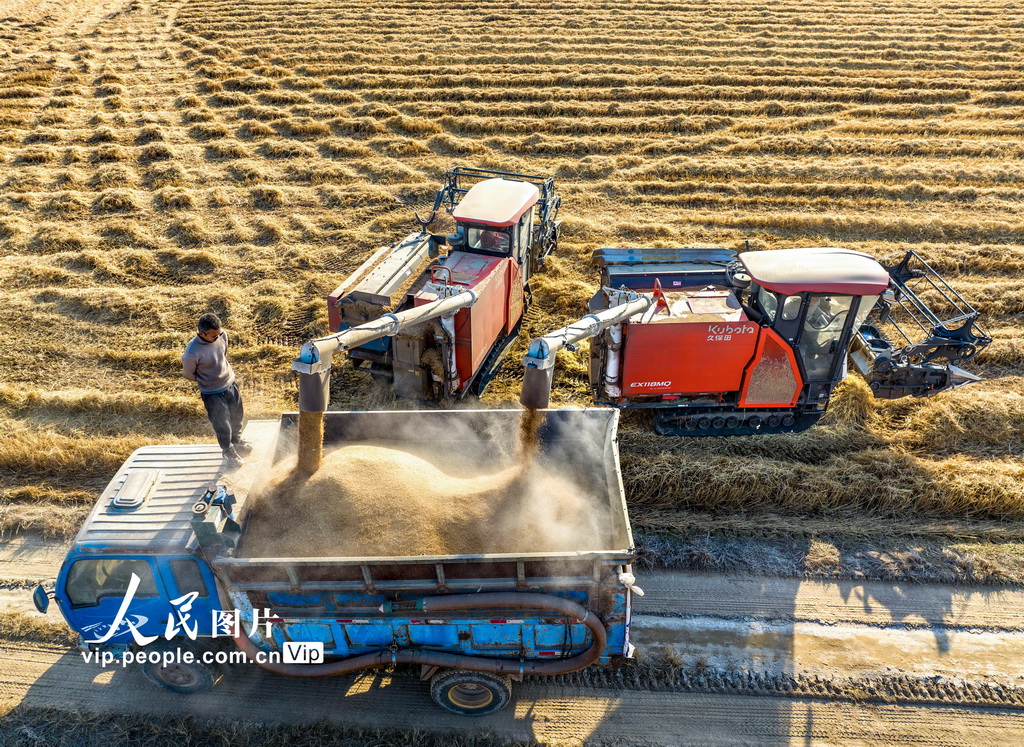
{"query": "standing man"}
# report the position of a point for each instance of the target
(205, 362)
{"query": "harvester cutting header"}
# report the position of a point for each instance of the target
(719, 343)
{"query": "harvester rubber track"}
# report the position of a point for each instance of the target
(719, 422)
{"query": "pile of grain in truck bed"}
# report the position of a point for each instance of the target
(368, 500)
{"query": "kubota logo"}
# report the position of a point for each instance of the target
(731, 329)
(650, 383)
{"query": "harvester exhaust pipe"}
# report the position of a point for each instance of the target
(314, 367)
(539, 362)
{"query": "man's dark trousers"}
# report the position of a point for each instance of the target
(226, 413)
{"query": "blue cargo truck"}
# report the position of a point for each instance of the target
(159, 572)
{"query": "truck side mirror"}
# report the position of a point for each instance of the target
(41, 599)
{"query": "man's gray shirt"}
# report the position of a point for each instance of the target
(206, 363)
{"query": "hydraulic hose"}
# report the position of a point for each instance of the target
(515, 600)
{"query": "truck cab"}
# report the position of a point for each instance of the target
(138, 538)
(92, 587)
(136, 575)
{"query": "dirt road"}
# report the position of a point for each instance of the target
(871, 634)
(47, 676)
(760, 636)
(27, 559)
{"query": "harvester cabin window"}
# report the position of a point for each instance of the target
(823, 328)
(91, 580)
(768, 302)
(526, 231)
(488, 240)
(867, 305)
(791, 308)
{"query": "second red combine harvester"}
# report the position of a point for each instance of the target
(717, 343)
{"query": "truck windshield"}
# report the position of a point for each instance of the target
(92, 579)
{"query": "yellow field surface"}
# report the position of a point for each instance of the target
(163, 158)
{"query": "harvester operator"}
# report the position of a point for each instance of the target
(205, 362)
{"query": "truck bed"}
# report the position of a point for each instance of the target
(581, 443)
(341, 600)
(436, 492)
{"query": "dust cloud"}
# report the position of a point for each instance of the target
(375, 499)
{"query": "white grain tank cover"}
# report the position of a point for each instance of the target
(819, 270)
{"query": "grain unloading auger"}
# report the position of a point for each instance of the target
(719, 343)
(315, 361)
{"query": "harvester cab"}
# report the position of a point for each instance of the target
(501, 214)
(496, 219)
(716, 342)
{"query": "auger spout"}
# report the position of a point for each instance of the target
(315, 359)
(539, 362)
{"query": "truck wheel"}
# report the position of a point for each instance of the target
(470, 693)
(181, 677)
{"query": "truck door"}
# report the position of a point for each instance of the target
(190, 584)
(91, 591)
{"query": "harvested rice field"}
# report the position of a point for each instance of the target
(164, 158)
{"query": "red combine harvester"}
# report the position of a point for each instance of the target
(435, 315)
(718, 343)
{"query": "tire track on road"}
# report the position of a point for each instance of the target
(683, 594)
(39, 675)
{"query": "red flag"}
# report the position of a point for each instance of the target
(660, 302)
